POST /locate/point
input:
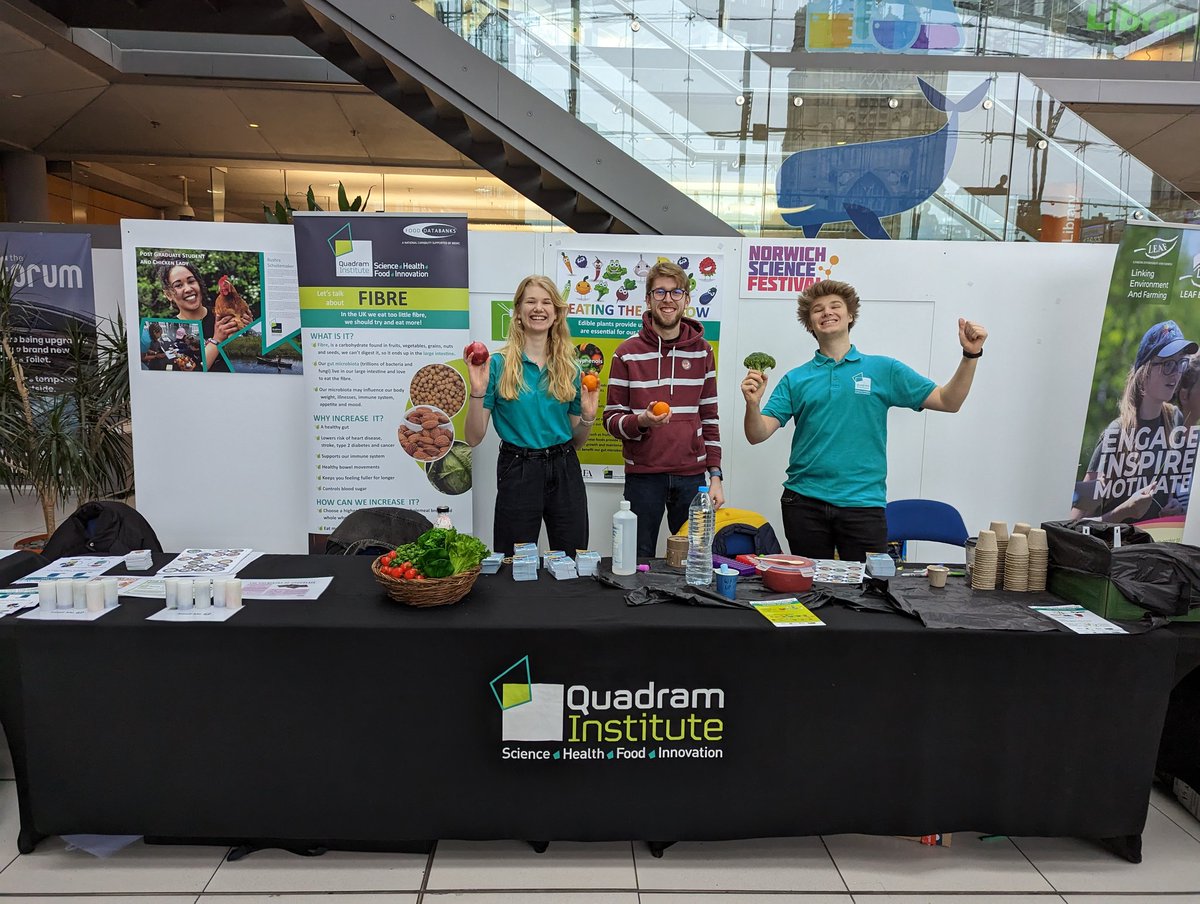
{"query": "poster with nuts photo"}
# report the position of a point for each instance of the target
(384, 315)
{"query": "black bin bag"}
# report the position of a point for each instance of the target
(1162, 578)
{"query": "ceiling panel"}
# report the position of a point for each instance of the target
(29, 121)
(391, 137)
(14, 41)
(300, 124)
(196, 122)
(36, 73)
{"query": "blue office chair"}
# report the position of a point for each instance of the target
(924, 519)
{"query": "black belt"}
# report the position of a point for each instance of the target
(522, 452)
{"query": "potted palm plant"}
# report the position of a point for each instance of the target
(64, 423)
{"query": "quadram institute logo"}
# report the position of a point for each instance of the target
(351, 258)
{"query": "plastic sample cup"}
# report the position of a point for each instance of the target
(726, 581)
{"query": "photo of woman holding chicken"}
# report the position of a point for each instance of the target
(543, 414)
(219, 293)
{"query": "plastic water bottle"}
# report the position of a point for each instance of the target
(624, 557)
(702, 522)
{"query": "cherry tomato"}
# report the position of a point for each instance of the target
(407, 565)
(410, 574)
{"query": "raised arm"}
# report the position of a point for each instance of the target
(951, 395)
(477, 415)
(759, 427)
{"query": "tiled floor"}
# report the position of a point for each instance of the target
(837, 869)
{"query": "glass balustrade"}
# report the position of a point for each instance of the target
(790, 152)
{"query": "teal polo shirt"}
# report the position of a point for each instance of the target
(839, 446)
(534, 419)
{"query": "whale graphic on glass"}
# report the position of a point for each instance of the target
(865, 182)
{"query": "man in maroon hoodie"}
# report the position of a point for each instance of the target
(669, 455)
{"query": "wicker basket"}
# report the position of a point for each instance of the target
(430, 591)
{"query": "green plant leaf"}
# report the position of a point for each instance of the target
(312, 200)
(343, 201)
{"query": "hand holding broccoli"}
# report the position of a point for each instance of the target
(755, 383)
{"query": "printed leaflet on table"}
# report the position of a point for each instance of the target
(201, 563)
(72, 568)
(787, 614)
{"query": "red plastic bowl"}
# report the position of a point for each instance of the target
(786, 574)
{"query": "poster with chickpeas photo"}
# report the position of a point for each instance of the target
(605, 293)
(384, 314)
(222, 311)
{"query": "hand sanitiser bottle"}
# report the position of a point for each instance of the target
(624, 557)
(702, 521)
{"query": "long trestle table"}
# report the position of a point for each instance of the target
(551, 710)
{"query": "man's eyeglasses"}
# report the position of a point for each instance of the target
(660, 294)
(1171, 365)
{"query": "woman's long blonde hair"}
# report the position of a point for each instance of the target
(561, 369)
(1131, 400)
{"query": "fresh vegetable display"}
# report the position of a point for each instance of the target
(437, 553)
(759, 361)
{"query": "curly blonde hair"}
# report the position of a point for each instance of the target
(561, 370)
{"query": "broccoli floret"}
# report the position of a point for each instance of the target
(759, 361)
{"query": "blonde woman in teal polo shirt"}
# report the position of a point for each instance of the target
(835, 493)
(531, 388)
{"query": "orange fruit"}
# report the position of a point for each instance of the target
(659, 408)
(591, 381)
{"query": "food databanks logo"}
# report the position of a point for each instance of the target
(430, 230)
(646, 722)
(351, 258)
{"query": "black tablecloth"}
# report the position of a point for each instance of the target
(354, 719)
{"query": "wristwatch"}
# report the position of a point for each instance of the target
(716, 472)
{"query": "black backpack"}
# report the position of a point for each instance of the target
(102, 529)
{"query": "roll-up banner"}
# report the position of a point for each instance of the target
(384, 316)
(1140, 439)
(52, 280)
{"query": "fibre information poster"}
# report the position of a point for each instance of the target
(605, 293)
(1139, 445)
(384, 316)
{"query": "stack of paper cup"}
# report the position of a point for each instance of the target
(1039, 559)
(983, 569)
(1016, 564)
(1020, 528)
(1000, 529)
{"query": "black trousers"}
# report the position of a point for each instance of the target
(815, 528)
(650, 495)
(536, 485)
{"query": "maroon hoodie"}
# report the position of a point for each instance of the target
(681, 372)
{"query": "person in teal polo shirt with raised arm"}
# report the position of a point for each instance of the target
(835, 493)
(531, 388)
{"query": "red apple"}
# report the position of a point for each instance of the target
(476, 353)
